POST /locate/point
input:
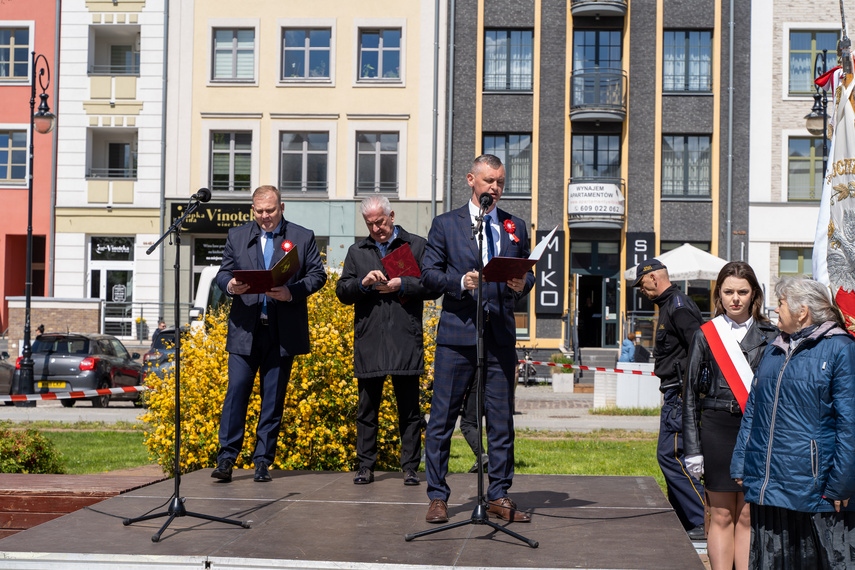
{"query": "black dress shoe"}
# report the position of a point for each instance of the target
(411, 477)
(364, 476)
(223, 472)
(697, 534)
(262, 475)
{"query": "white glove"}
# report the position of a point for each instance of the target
(695, 465)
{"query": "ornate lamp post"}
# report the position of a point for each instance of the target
(816, 121)
(42, 121)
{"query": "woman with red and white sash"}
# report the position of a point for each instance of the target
(722, 360)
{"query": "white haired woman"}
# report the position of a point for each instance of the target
(795, 453)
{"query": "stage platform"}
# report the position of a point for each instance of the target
(322, 520)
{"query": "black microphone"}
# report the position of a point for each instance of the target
(486, 200)
(203, 195)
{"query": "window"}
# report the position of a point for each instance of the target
(594, 49)
(303, 163)
(234, 55)
(376, 162)
(121, 162)
(231, 161)
(686, 166)
(595, 157)
(13, 157)
(14, 53)
(795, 261)
(306, 54)
(124, 60)
(515, 153)
(687, 56)
(804, 47)
(508, 57)
(804, 169)
(380, 55)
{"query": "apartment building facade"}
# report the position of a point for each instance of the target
(26, 27)
(614, 122)
(789, 39)
(109, 167)
(328, 101)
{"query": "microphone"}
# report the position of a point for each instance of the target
(204, 195)
(486, 200)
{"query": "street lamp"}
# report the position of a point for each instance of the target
(816, 121)
(42, 121)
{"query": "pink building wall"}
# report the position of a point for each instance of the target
(15, 115)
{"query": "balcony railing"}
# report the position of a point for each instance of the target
(310, 189)
(128, 172)
(131, 69)
(598, 7)
(598, 94)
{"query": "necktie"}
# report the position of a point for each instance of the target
(268, 257)
(488, 233)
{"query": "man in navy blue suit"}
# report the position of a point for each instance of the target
(450, 267)
(266, 331)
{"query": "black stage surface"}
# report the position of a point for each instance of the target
(308, 519)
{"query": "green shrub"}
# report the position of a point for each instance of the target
(28, 452)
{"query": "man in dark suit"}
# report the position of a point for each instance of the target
(388, 339)
(266, 331)
(450, 267)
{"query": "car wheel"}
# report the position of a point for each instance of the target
(101, 401)
(68, 403)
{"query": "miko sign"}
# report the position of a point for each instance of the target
(549, 276)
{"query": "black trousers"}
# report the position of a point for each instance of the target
(409, 420)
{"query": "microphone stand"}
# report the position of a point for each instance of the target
(176, 504)
(479, 514)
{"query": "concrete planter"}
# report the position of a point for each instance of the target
(562, 382)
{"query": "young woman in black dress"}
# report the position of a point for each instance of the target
(722, 359)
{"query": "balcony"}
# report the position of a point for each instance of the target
(598, 7)
(596, 202)
(114, 49)
(598, 95)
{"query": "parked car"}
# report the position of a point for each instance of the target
(7, 371)
(160, 359)
(65, 362)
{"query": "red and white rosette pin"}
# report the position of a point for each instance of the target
(287, 246)
(510, 227)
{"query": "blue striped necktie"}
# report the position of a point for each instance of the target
(268, 257)
(488, 233)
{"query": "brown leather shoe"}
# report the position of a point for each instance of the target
(437, 512)
(506, 509)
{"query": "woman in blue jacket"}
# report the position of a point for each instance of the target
(795, 453)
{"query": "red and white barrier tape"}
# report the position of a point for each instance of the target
(596, 368)
(70, 395)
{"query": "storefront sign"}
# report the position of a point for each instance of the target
(213, 218)
(112, 249)
(595, 199)
(639, 247)
(549, 274)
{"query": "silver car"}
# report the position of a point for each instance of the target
(65, 362)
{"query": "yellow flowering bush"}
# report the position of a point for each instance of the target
(319, 421)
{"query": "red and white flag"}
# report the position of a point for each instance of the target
(834, 245)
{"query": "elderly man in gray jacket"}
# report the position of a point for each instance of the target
(388, 339)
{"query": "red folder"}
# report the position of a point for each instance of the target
(263, 280)
(502, 269)
(401, 263)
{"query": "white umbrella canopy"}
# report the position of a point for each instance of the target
(685, 263)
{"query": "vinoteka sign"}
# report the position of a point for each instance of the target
(595, 199)
(217, 218)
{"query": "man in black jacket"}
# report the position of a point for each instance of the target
(679, 319)
(388, 339)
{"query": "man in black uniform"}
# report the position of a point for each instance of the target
(679, 319)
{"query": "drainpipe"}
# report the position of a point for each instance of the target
(450, 110)
(729, 225)
(163, 142)
(435, 108)
(51, 268)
